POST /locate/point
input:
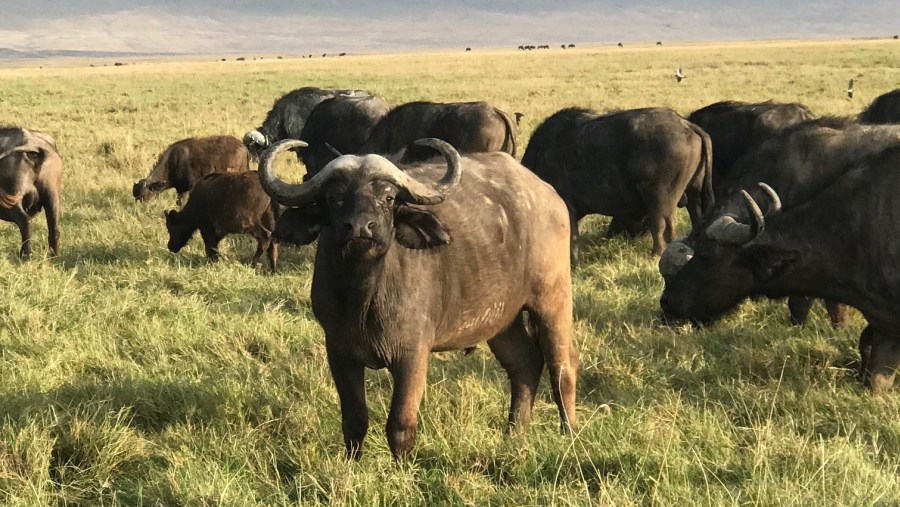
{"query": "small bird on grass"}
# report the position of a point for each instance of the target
(679, 75)
(850, 89)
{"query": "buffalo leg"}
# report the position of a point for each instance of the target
(521, 357)
(272, 254)
(573, 239)
(22, 220)
(837, 312)
(211, 243)
(883, 353)
(410, 375)
(554, 330)
(51, 211)
(350, 380)
(799, 307)
(263, 242)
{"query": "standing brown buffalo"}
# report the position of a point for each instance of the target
(737, 127)
(436, 256)
(30, 178)
(185, 162)
(223, 204)
(632, 165)
(470, 127)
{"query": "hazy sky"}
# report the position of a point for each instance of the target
(284, 26)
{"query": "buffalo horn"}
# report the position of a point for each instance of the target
(757, 221)
(773, 195)
(286, 193)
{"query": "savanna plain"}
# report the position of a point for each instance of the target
(132, 376)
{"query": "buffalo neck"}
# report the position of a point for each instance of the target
(358, 282)
(830, 262)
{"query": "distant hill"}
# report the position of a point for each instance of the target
(12, 54)
(316, 26)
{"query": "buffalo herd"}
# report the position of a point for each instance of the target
(431, 236)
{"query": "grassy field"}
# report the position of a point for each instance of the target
(132, 376)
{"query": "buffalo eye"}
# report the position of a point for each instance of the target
(389, 199)
(334, 202)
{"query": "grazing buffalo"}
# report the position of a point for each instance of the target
(884, 109)
(835, 245)
(186, 162)
(222, 204)
(30, 178)
(289, 114)
(800, 162)
(737, 127)
(628, 165)
(471, 127)
(428, 258)
(339, 124)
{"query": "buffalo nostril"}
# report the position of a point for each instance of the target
(371, 225)
(348, 226)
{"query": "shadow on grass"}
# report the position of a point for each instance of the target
(153, 406)
(102, 254)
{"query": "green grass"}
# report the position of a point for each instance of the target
(132, 376)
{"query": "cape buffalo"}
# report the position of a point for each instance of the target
(288, 115)
(222, 204)
(737, 127)
(185, 162)
(835, 245)
(629, 165)
(884, 109)
(339, 124)
(30, 178)
(800, 162)
(405, 266)
(471, 127)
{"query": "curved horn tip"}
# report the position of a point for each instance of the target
(776, 199)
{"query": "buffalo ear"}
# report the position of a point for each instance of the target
(418, 229)
(768, 262)
(299, 226)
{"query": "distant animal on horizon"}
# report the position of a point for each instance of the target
(659, 43)
(468, 49)
(621, 45)
(222, 204)
(470, 127)
(185, 162)
(30, 179)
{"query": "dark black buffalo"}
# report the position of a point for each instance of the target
(185, 162)
(800, 162)
(339, 124)
(222, 204)
(737, 127)
(289, 114)
(471, 127)
(884, 109)
(434, 257)
(30, 178)
(632, 165)
(836, 245)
